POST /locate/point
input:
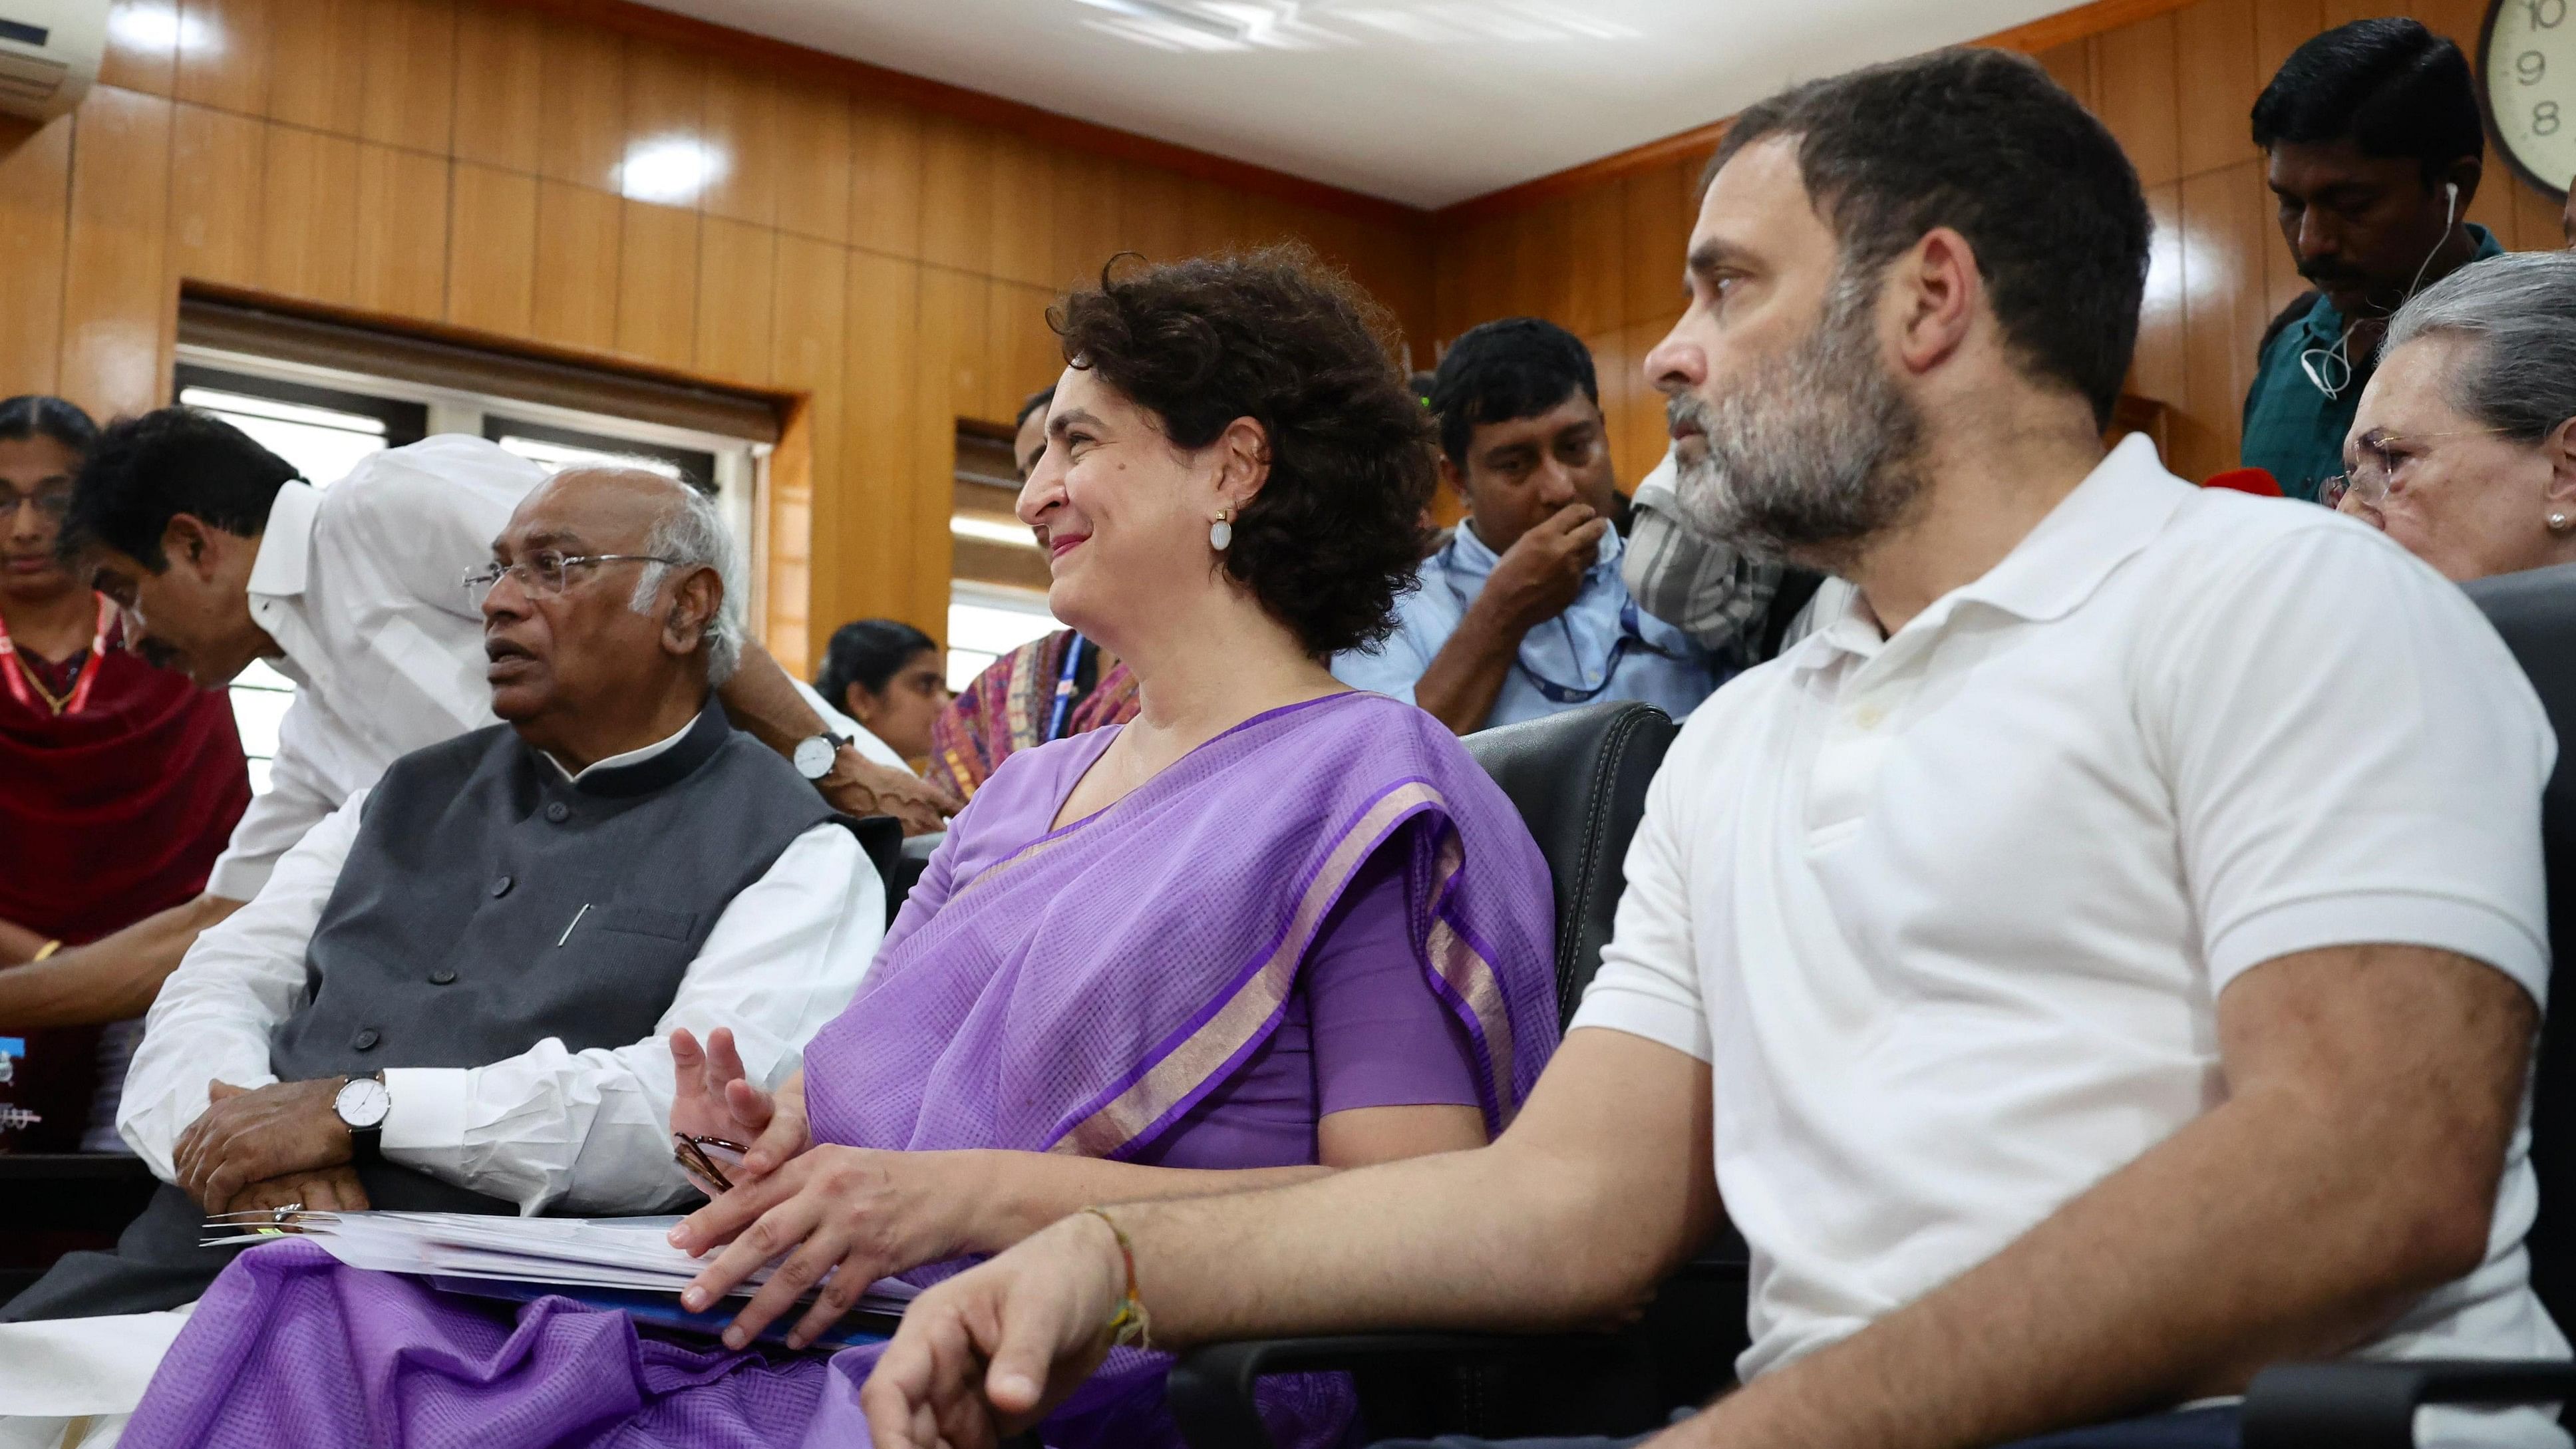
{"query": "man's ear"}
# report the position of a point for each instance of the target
(189, 542)
(1451, 478)
(693, 608)
(1939, 291)
(2464, 173)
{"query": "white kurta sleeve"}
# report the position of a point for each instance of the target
(589, 1131)
(212, 1019)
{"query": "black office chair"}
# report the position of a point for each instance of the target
(1579, 780)
(2372, 1406)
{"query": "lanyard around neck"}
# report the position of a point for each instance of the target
(22, 682)
(1065, 681)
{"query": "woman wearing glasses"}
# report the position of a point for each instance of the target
(2464, 449)
(119, 782)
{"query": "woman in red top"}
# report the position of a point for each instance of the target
(119, 782)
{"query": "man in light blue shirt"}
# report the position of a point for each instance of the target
(1522, 612)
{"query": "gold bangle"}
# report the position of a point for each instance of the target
(43, 951)
(1130, 1324)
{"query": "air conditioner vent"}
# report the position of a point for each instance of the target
(49, 54)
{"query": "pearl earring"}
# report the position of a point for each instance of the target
(1220, 533)
(2558, 523)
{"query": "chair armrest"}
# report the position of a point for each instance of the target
(1210, 1389)
(2356, 1405)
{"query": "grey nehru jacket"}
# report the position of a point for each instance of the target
(445, 943)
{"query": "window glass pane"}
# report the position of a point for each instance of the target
(322, 443)
(555, 457)
(984, 625)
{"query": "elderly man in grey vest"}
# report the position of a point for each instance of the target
(455, 994)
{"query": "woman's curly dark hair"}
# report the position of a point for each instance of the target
(1277, 336)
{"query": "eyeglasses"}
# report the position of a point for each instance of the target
(704, 1160)
(2376, 459)
(50, 504)
(546, 574)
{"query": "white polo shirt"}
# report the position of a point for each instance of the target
(1948, 913)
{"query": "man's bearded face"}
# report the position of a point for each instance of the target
(1808, 455)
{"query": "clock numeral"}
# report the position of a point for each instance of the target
(2530, 66)
(2546, 14)
(2544, 119)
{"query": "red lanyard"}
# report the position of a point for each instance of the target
(26, 689)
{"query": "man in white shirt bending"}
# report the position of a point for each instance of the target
(457, 992)
(221, 555)
(2086, 970)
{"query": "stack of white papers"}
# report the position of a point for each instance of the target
(634, 1254)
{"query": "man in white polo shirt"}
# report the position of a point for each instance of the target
(2087, 970)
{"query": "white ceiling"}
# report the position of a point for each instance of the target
(1425, 102)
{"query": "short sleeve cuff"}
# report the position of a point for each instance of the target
(239, 877)
(1674, 1024)
(428, 1112)
(2443, 923)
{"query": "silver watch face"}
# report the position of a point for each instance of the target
(814, 756)
(363, 1103)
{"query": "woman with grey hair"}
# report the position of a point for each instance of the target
(2464, 448)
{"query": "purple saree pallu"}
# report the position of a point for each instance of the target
(1079, 994)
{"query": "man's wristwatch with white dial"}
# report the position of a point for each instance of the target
(362, 1106)
(815, 754)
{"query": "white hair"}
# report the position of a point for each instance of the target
(2518, 312)
(693, 535)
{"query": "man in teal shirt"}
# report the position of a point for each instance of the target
(2373, 147)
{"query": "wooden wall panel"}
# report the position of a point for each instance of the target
(2218, 36)
(223, 54)
(410, 94)
(317, 75)
(742, 128)
(219, 164)
(35, 211)
(737, 280)
(399, 232)
(1024, 352)
(501, 86)
(117, 310)
(657, 296)
(886, 171)
(142, 48)
(492, 230)
(814, 163)
(1085, 218)
(956, 197)
(308, 200)
(1021, 211)
(582, 104)
(579, 241)
(2138, 83)
(893, 452)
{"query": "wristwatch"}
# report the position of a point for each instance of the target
(815, 754)
(362, 1106)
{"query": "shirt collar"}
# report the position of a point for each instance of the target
(2113, 514)
(631, 757)
(286, 541)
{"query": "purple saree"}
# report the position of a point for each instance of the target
(1079, 990)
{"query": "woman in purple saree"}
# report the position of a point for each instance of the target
(1267, 930)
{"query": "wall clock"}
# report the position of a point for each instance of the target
(2527, 85)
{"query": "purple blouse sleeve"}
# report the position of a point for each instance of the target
(1381, 1037)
